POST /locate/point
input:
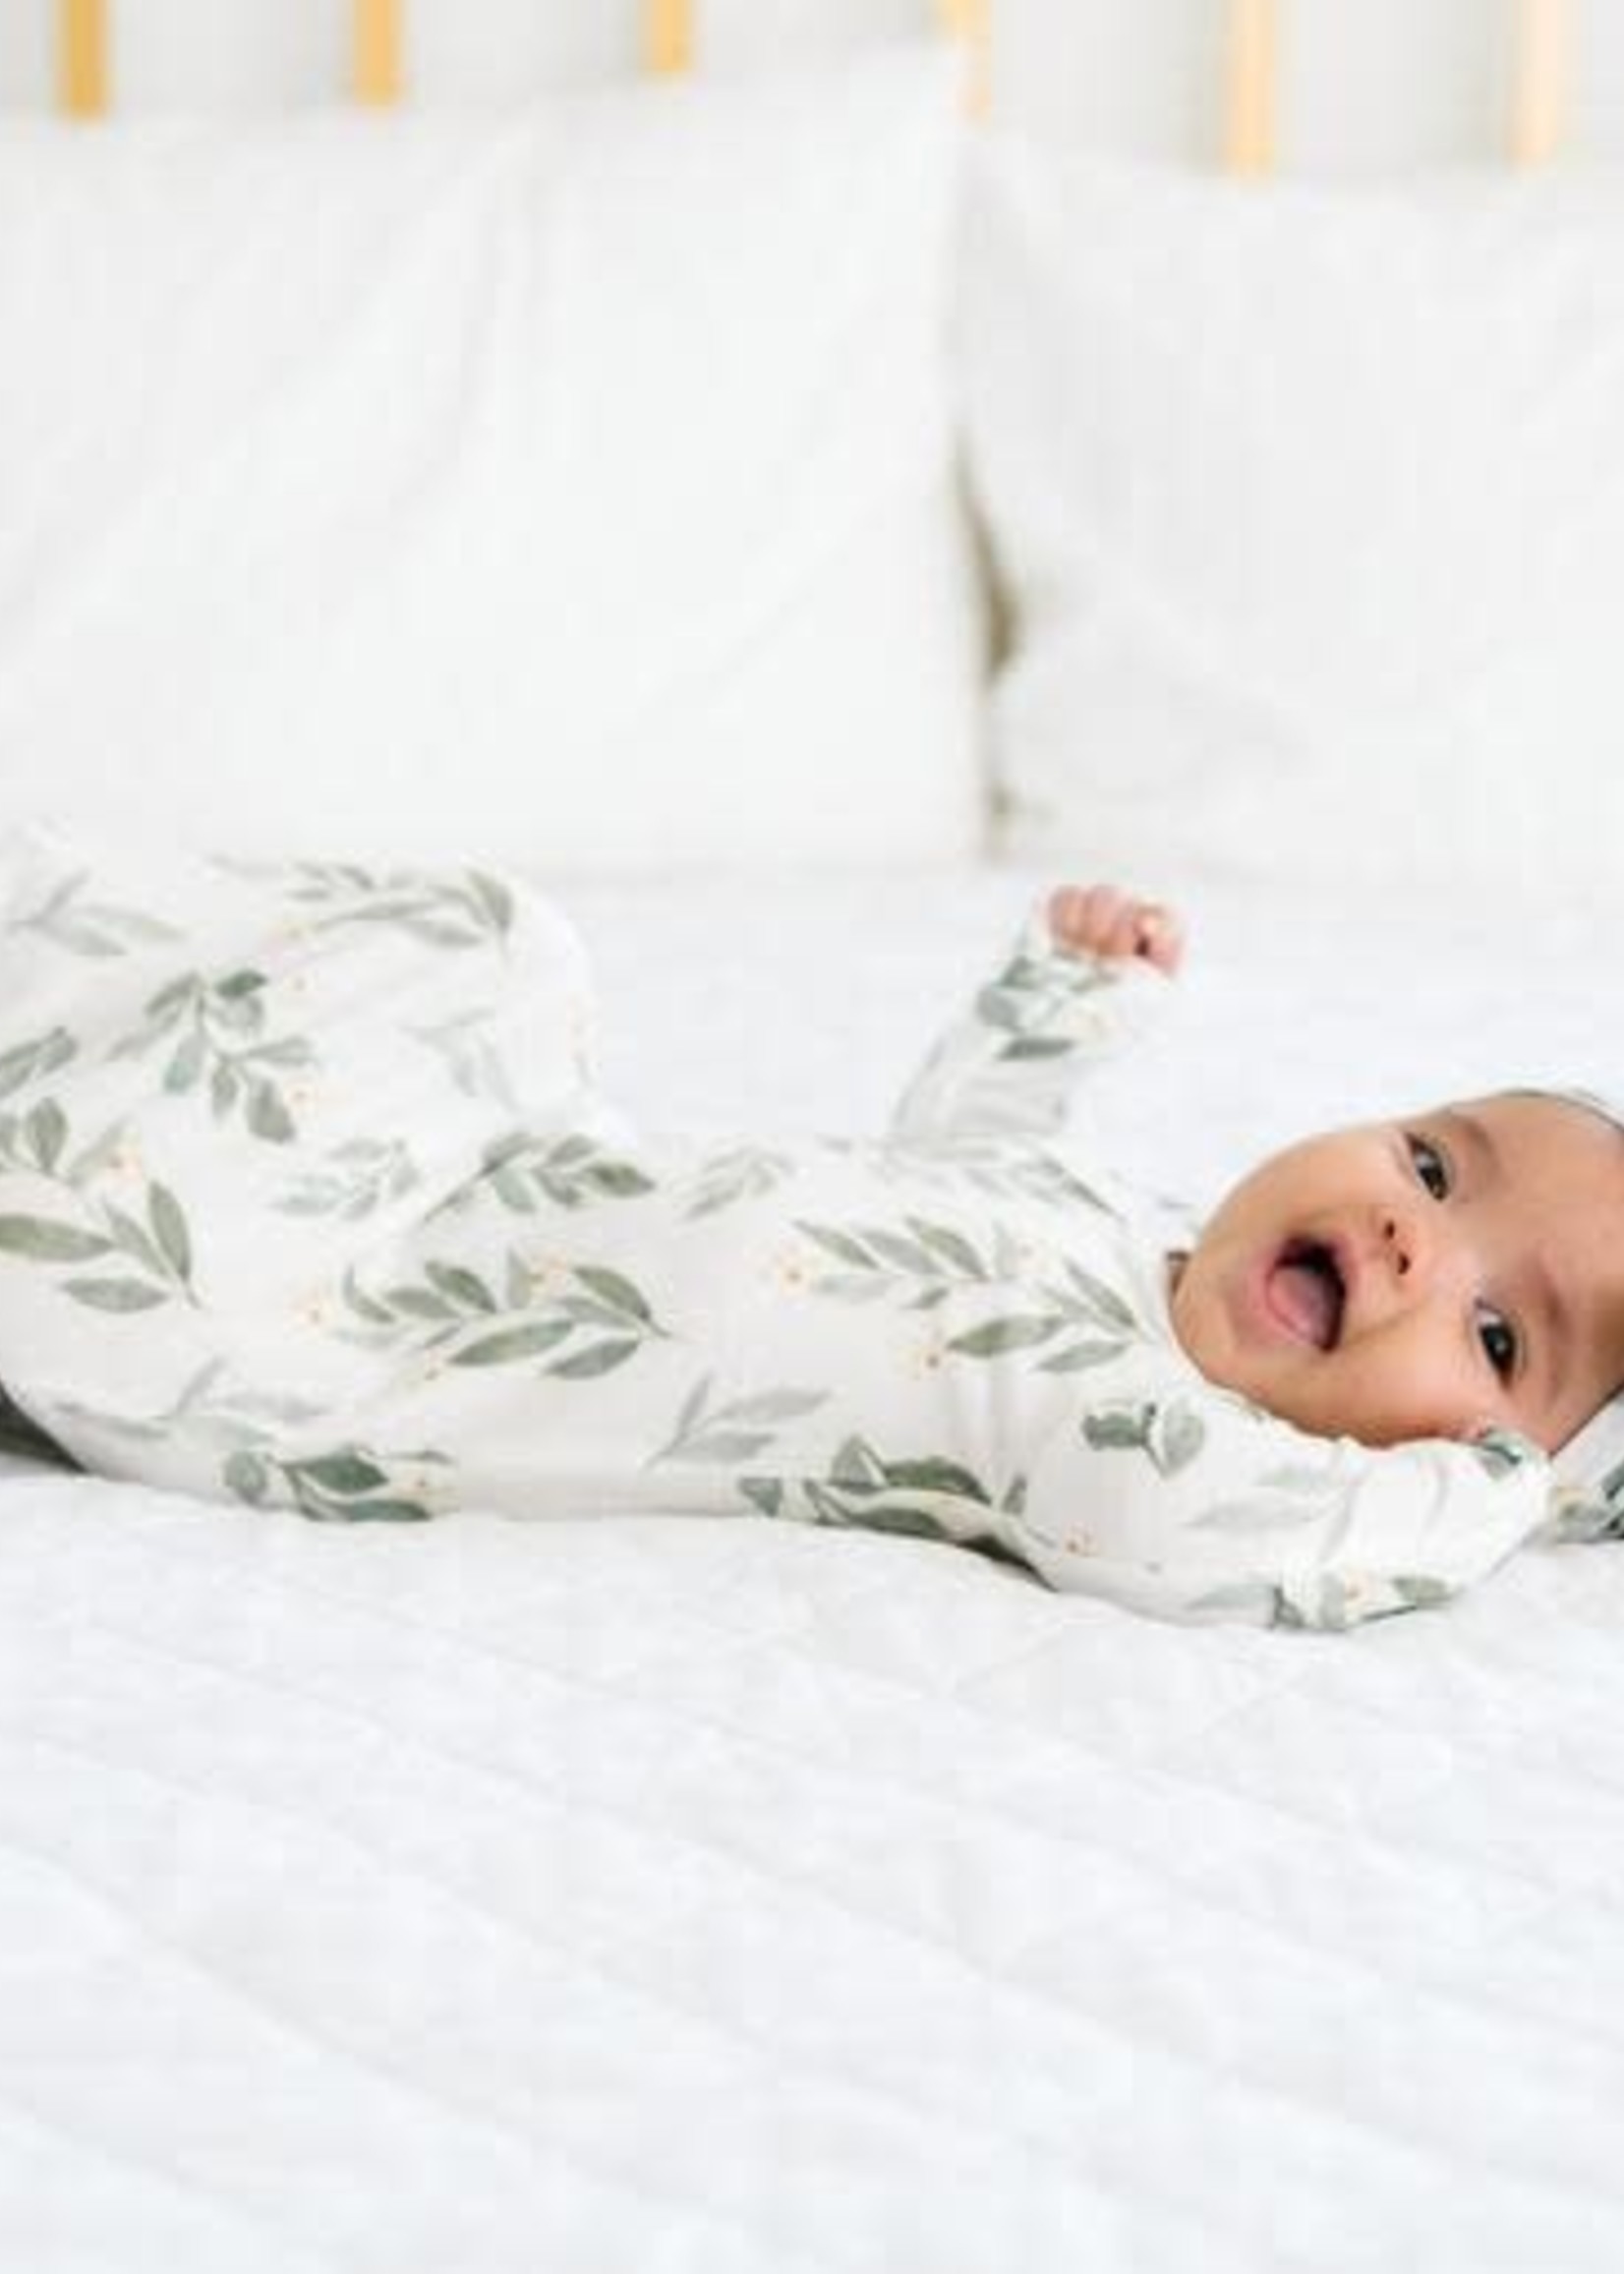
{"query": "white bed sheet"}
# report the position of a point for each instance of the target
(721, 1896)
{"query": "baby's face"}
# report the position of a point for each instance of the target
(1422, 1278)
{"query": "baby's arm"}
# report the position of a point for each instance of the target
(1177, 1497)
(1087, 972)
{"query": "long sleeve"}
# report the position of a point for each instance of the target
(1174, 1497)
(1010, 1063)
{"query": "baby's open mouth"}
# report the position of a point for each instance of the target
(1305, 1291)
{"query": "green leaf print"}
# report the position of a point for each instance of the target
(1077, 1319)
(735, 1430)
(97, 928)
(523, 1171)
(475, 1067)
(1418, 1591)
(742, 1173)
(169, 1229)
(1119, 1428)
(217, 1026)
(1002, 1166)
(341, 1483)
(267, 1115)
(952, 1247)
(923, 1262)
(464, 1286)
(340, 1487)
(40, 1241)
(367, 1307)
(878, 1516)
(359, 1177)
(1179, 1438)
(1101, 1302)
(161, 1256)
(602, 1316)
(1079, 1357)
(248, 1477)
(1502, 1453)
(1284, 1498)
(1581, 1516)
(447, 909)
(212, 1408)
(838, 1245)
(495, 898)
(858, 1465)
(115, 1294)
(1094, 1324)
(600, 1358)
(1030, 995)
(907, 1255)
(186, 1069)
(923, 1496)
(999, 1335)
(616, 1289)
(46, 1131)
(514, 1343)
(346, 1472)
(31, 1061)
(1169, 1436)
(935, 1475)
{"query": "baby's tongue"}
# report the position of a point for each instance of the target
(1302, 1298)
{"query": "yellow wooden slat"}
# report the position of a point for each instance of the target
(971, 21)
(380, 51)
(83, 76)
(1541, 71)
(668, 36)
(1252, 71)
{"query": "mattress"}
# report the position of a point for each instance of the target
(710, 1895)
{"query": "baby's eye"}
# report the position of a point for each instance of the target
(1430, 1164)
(1499, 1340)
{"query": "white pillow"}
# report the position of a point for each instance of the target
(574, 487)
(1310, 504)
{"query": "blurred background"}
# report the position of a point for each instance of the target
(1365, 85)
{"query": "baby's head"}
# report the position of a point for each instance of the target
(1422, 1278)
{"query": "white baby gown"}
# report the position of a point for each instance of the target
(308, 1200)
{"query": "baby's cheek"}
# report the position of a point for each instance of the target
(1391, 1401)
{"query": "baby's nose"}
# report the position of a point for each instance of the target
(1406, 1246)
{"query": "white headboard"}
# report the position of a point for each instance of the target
(1328, 86)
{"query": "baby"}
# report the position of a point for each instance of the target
(307, 1198)
(1459, 1272)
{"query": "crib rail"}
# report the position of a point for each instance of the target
(1539, 78)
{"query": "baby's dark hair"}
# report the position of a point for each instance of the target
(1589, 1099)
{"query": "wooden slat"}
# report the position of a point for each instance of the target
(1541, 72)
(971, 21)
(83, 76)
(669, 40)
(1252, 72)
(380, 51)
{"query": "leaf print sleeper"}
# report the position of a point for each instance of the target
(308, 1200)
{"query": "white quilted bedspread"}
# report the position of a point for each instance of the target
(700, 1897)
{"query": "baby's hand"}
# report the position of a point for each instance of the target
(1099, 920)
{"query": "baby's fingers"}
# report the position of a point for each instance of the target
(1159, 937)
(1081, 917)
(1100, 920)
